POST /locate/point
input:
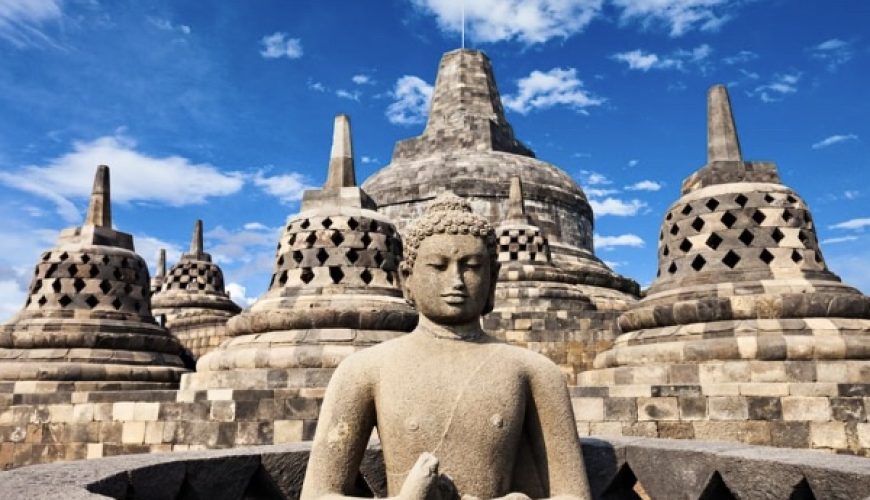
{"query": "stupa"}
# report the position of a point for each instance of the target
(193, 301)
(468, 147)
(159, 273)
(87, 322)
(334, 290)
(745, 330)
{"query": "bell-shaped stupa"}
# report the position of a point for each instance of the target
(334, 290)
(87, 319)
(192, 299)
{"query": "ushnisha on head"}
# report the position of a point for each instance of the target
(451, 262)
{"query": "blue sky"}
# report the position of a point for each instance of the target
(223, 111)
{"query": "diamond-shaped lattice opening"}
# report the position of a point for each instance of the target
(686, 245)
(698, 224)
(278, 247)
(728, 219)
(746, 237)
(336, 238)
(768, 198)
(55, 285)
(93, 271)
(46, 256)
(282, 278)
(352, 223)
(712, 203)
(379, 258)
(297, 256)
(791, 199)
(352, 256)
(64, 300)
(106, 260)
(117, 303)
(669, 216)
(661, 235)
(766, 256)
(85, 258)
(758, 217)
(78, 285)
(137, 306)
(716, 489)
(305, 224)
(322, 256)
(731, 259)
(63, 256)
(666, 251)
(311, 238)
(280, 260)
(36, 286)
(92, 301)
(366, 239)
(698, 263)
(714, 241)
(741, 200)
(117, 274)
(52, 268)
(819, 257)
(42, 300)
(336, 274)
(327, 223)
(796, 256)
(128, 289)
(390, 278)
(675, 229)
(291, 240)
(307, 275)
(271, 281)
(777, 235)
(787, 215)
(686, 210)
(672, 268)
(124, 263)
(373, 226)
(803, 237)
(105, 286)
(72, 270)
(366, 276)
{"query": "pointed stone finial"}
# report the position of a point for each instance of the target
(722, 141)
(196, 239)
(100, 205)
(341, 170)
(516, 206)
(161, 264)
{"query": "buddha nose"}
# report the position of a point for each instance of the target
(456, 282)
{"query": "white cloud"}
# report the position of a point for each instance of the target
(590, 178)
(255, 226)
(617, 207)
(623, 240)
(834, 139)
(411, 97)
(542, 90)
(351, 96)
(230, 246)
(841, 239)
(369, 159)
(279, 45)
(149, 248)
(851, 194)
(633, 163)
(741, 57)
(135, 176)
(679, 16)
(528, 21)
(21, 21)
(853, 224)
(316, 86)
(834, 52)
(599, 193)
(362, 79)
(286, 187)
(776, 89)
(166, 25)
(644, 61)
(645, 185)
(238, 294)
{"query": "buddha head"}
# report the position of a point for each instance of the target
(451, 262)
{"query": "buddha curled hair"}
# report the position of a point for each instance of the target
(449, 214)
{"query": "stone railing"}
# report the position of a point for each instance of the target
(618, 468)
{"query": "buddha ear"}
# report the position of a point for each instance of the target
(405, 275)
(490, 300)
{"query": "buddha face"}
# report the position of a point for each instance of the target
(451, 281)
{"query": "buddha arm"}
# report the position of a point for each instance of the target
(553, 435)
(346, 420)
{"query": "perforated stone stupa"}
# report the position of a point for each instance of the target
(87, 322)
(334, 290)
(193, 301)
(745, 331)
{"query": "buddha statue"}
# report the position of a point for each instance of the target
(459, 414)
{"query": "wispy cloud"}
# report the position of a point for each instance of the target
(633, 163)
(136, 176)
(678, 16)
(239, 294)
(369, 160)
(780, 86)
(167, 25)
(362, 79)
(622, 240)
(645, 185)
(557, 87)
(641, 60)
(834, 139)
(834, 52)
(741, 57)
(411, 96)
(316, 86)
(853, 224)
(349, 95)
(286, 187)
(527, 21)
(839, 239)
(279, 45)
(616, 206)
(21, 21)
(591, 178)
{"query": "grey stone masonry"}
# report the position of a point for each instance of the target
(88, 314)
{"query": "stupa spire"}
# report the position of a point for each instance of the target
(341, 169)
(516, 206)
(722, 141)
(196, 238)
(100, 205)
(161, 264)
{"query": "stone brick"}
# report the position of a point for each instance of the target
(588, 409)
(146, 412)
(657, 409)
(764, 389)
(764, 408)
(848, 409)
(123, 411)
(676, 430)
(133, 433)
(605, 428)
(623, 409)
(693, 408)
(727, 408)
(94, 450)
(806, 408)
(287, 431)
(828, 435)
(223, 411)
(863, 431)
